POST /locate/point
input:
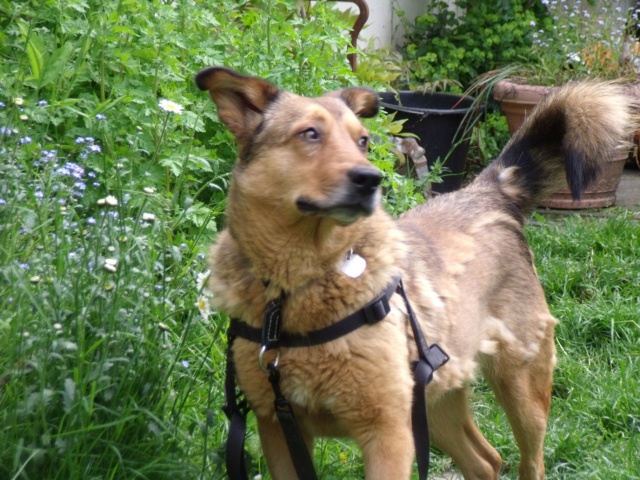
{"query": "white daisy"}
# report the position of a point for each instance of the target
(170, 106)
(111, 200)
(111, 264)
(201, 280)
(203, 306)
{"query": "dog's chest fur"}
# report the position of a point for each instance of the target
(320, 379)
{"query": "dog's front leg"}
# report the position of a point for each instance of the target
(388, 451)
(276, 451)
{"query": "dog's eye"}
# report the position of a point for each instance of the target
(310, 134)
(363, 142)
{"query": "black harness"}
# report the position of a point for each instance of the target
(270, 337)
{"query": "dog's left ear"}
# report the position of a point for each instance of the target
(363, 101)
(241, 100)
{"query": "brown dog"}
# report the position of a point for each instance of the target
(303, 196)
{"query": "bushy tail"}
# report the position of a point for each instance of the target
(568, 135)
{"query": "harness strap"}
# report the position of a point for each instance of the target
(300, 455)
(429, 360)
(270, 337)
(236, 410)
(372, 313)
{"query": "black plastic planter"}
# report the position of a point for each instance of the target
(436, 118)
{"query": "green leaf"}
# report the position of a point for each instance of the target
(55, 64)
(173, 164)
(146, 53)
(35, 46)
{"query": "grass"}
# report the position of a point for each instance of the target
(590, 270)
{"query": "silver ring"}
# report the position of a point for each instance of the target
(264, 350)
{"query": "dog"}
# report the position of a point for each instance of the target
(304, 200)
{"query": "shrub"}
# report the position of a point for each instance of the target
(443, 46)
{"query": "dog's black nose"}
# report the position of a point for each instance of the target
(365, 179)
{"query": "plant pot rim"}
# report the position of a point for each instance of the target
(463, 99)
(508, 88)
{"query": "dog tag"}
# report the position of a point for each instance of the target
(353, 265)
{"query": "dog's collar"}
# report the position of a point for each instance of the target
(370, 314)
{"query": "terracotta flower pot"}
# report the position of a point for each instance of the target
(599, 195)
(517, 101)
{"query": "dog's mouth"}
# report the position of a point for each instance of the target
(357, 197)
(343, 214)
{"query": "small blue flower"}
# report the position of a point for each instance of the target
(48, 155)
(43, 103)
(91, 221)
(2, 105)
(89, 139)
(6, 131)
(71, 169)
(94, 149)
(80, 140)
(25, 140)
(100, 116)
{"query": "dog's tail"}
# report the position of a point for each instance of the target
(568, 135)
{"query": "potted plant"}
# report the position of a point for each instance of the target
(441, 123)
(575, 41)
(444, 51)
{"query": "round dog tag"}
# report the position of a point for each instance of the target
(353, 265)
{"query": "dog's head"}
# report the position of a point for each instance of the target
(304, 156)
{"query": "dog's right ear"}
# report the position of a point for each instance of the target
(241, 100)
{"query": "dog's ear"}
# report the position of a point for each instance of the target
(363, 101)
(241, 100)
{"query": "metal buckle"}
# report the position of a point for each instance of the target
(263, 350)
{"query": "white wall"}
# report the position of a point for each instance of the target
(384, 27)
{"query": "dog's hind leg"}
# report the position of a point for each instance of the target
(276, 451)
(452, 429)
(524, 392)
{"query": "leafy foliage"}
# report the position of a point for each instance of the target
(441, 45)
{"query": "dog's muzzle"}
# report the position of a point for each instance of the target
(357, 197)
